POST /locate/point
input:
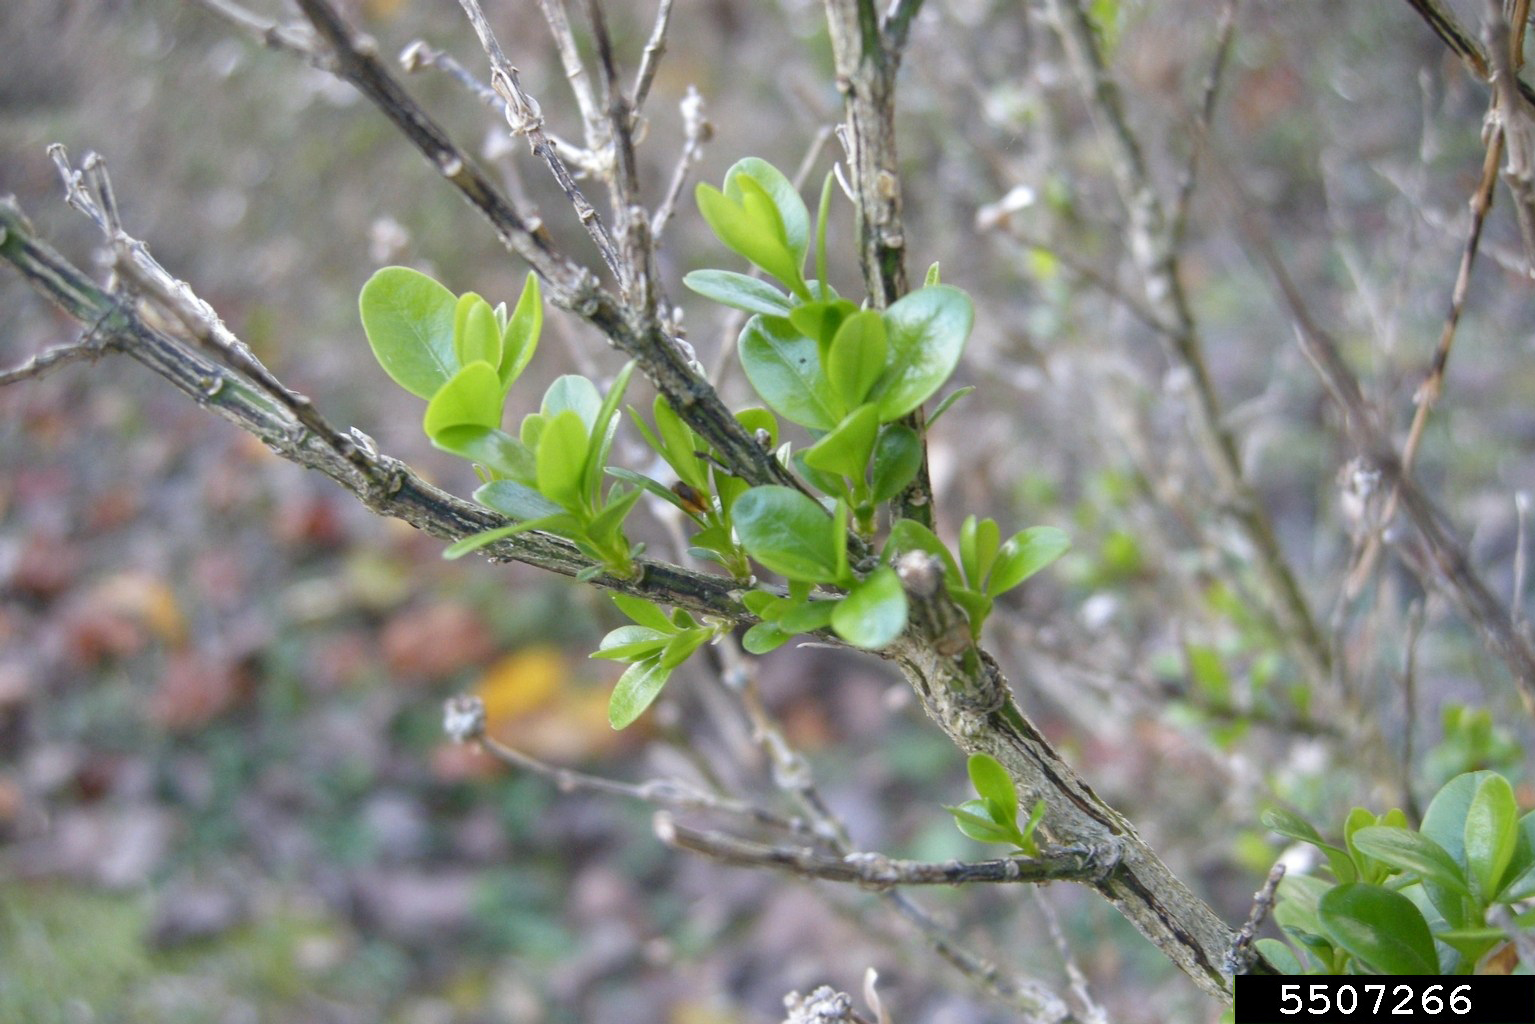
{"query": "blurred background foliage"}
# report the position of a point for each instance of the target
(224, 795)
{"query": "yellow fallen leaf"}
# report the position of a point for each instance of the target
(520, 683)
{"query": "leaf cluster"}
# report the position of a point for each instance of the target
(1404, 900)
(993, 816)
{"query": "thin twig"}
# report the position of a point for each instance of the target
(90, 346)
(575, 71)
(1225, 32)
(876, 871)
(1415, 618)
(1092, 1011)
(650, 60)
(1242, 956)
(696, 130)
(464, 720)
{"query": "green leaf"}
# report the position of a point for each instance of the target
(561, 457)
(679, 444)
(897, 457)
(739, 291)
(1492, 829)
(995, 787)
(932, 277)
(910, 535)
(643, 612)
(764, 637)
(974, 819)
(784, 368)
(1383, 929)
(631, 643)
(749, 223)
(606, 527)
(1521, 869)
(857, 356)
(493, 448)
(683, 645)
(576, 393)
(926, 332)
(806, 616)
(978, 543)
(845, 451)
(515, 500)
(476, 335)
(471, 397)
(821, 320)
(755, 419)
(555, 523)
(874, 611)
(1282, 957)
(520, 339)
(1411, 851)
(786, 199)
(408, 318)
(1277, 819)
(603, 428)
(637, 689)
(1024, 554)
(788, 533)
(947, 401)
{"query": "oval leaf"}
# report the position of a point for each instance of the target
(471, 397)
(845, 451)
(1380, 927)
(788, 533)
(493, 448)
(515, 500)
(1411, 851)
(873, 613)
(792, 212)
(926, 333)
(476, 335)
(561, 458)
(995, 786)
(897, 457)
(857, 356)
(1024, 554)
(1492, 828)
(408, 318)
(739, 291)
(574, 392)
(637, 689)
(784, 367)
(520, 339)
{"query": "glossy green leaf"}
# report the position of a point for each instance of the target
(788, 533)
(806, 616)
(974, 819)
(631, 643)
(757, 419)
(926, 333)
(947, 402)
(1383, 929)
(408, 318)
(750, 224)
(739, 291)
(1280, 956)
(476, 335)
(764, 637)
(1492, 829)
(682, 646)
(1521, 869)
(515, 500)
(873, 613)
(845, 451)
(910, 535)
(637, 689)
(821, 320)
(1412, 851)
(857, 357)
(995, 787)
(576, 393)
(603, 429)
(606, 527)
(643, 612)
(558, 523)
(979, 540)
(1277, 819)
(1024, 554)
(520, 339)
(561, 457)
(897, 458)
(784, 368)
(471, 397)
(792, 212)
(680, 445)
(495, 449)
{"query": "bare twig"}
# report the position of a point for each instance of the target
(1225, 32)
(655, 48)
(464, 721)
(1242, 955)
(696, 130)
(876, 871)
(575, 71)
(1092, 1011)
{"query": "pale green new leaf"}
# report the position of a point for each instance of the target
(408, 318)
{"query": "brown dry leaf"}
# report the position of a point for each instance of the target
(426, 644)
(1502, 960)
